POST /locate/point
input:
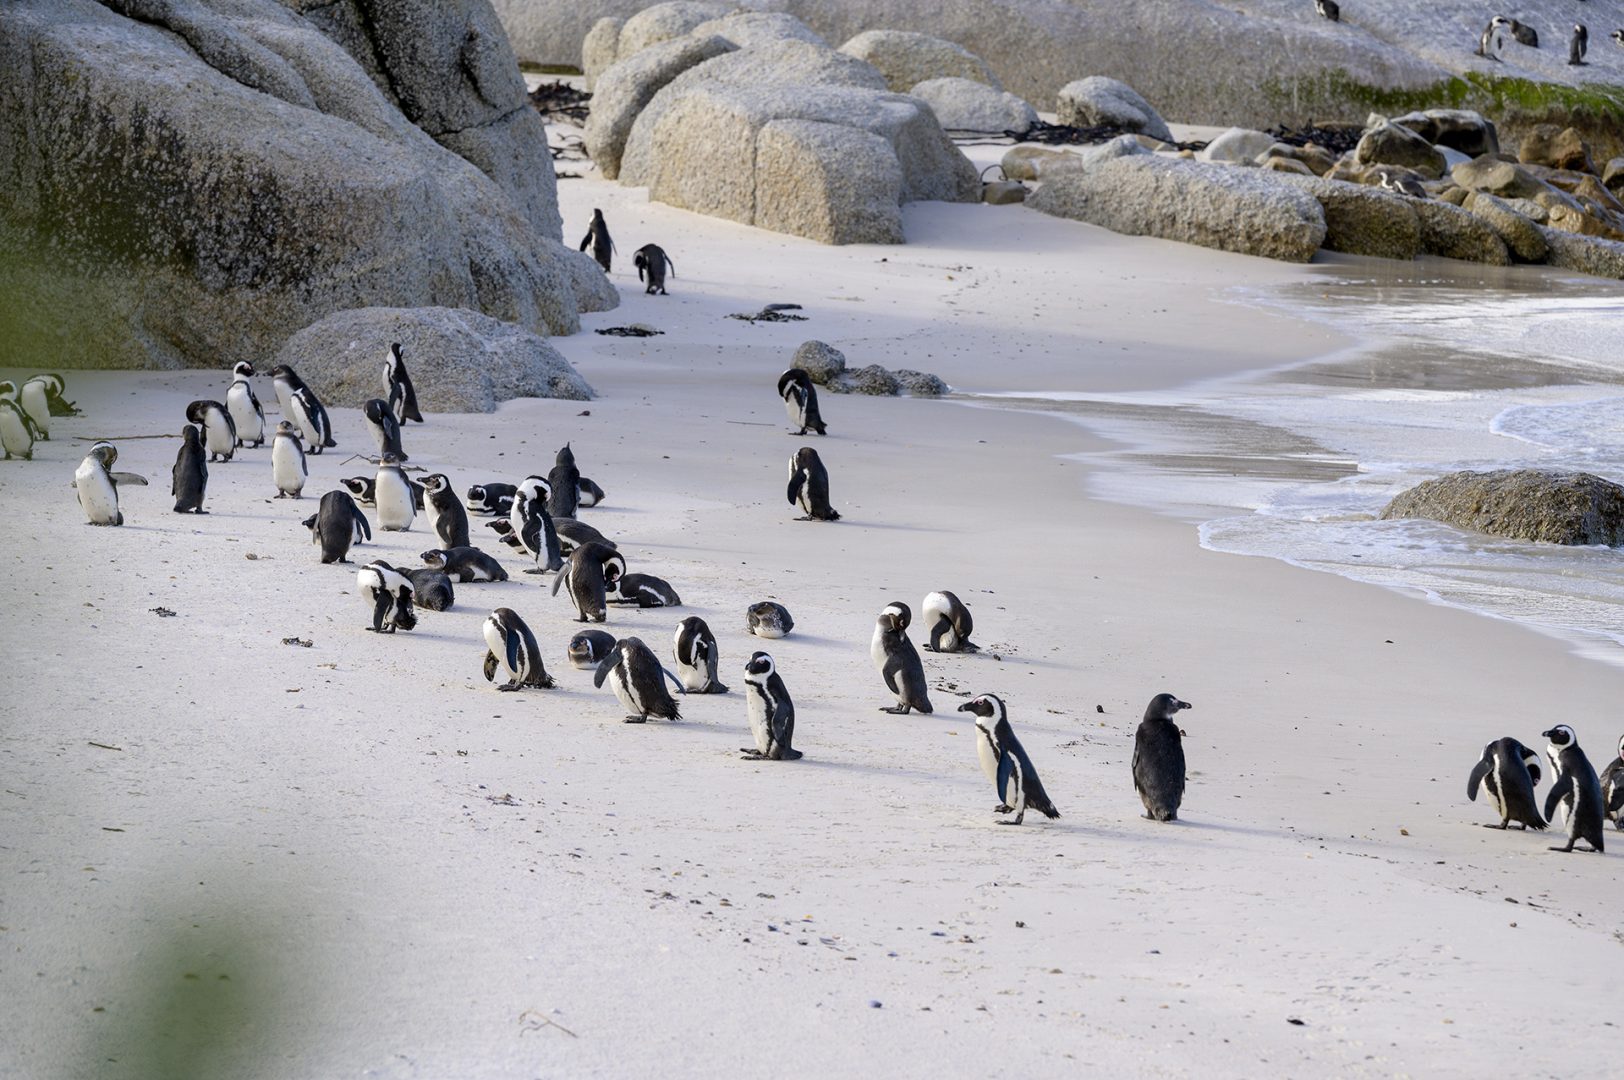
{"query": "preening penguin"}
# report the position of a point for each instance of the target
(1328, 9)
(393, 494)
(465, 564)
(431, 588)
(647, 591)
(97, 485)
(1578, 45)
(801, 401)
(487, 498)
(511, 647)
(768, 620)
(948, 624)
(300, 404)
(587, 649)
(592, 569)
(1618, 37)
(1158, 758)
(572, 533)
(1575, 788)
(446, 516)
(390, 593)
(336, 524)
(191, 473)
(219, 429)
(638, 681)
(56, 403)
(16, 433)
(1492, 44)
(563, 483)
(243, 404)
(397, 388)
(362, 487)
(652, 260)
(1508, 770)
(588, 493)
(35, 401)
(1612, 787)
(533, 526)
(288, 468)
(597, 234)
(694, 648)
(898, 662)
(1004, 760)
(809, 486)
(384, 427)
(770, 711)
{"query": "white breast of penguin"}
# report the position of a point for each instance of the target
(622, 679)
(394, 498)
(987, 755)
(287, 466)
(496, 641)
(757, 712)
(96, 492)
(215, 432)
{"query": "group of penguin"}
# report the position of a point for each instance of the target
(1491, 43)
(651, 260)
(1509, 772)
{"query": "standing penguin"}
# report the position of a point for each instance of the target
(533, 526)
(218, 427)
(770, 711)
(393, 494)
(652, 260)
(1004, 760)
(638, 681)
(288, 468)
(1492, 43)
(1158, 759)
(300, 404)
(694, 648)
(511, 647)
(592, 569)
(97, 486)
(446, 516)
(564, 485)
(398, 389)
(337, 524)
(16, 433)
(1612, 787)
(809, 486)
(587, 649)
(898, 663)
(1578, 45)
(246, 411)
(1328, 9)
(35, 400)
(1509, 771)
(597, 234)
(768, 619)
(948, 624)
(390, 593)
(801, 401)
(191, 473)
(1575, 788)
(384, 427)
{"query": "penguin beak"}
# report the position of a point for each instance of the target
(1547, 734)
(966, 707)
(1185, 705)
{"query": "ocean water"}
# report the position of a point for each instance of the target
(1452, 370)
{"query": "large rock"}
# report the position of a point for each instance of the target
(1468, 132)
(187, 185)
(819, 360)
(1216, 206)
(1097, 101)
(1497, 177)
(1238, 146)
(746, 28)
(1363, 220)
(1042, 163)
(1613, 176)
(908, 59)
(1387, 143)
(1521, 234)
(600, 49)
(1522, 504)
(872, 379)
(1585, 254)
(461, 361)
(1449, 231)
(626, 88)
(1556, 147)
(967, 105)
(663, 22)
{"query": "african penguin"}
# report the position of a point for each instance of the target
(597, 235)
(1578, 45)
(55, 388)
(1328, 9)
(446, 516)
(218, 428)
(336, 525)
(771, 713)
(1617, 36)
(398, 389)
(652, 260)
(390, 593)
(1004, 761)
(647, 591)
(801, 401)
(97, 486)
(638, 681)
(465, 564)
(512, 648)
(1158, 759)
(533, 526)
(768, 619)
(243, 404)
(288, 468)
(1401, 182)
(592, 569)
(1524, 34)
(16, 434)
(300, 404)
(572, 533)
(587, 649)
(1492, 44)
(1612, 787)
(948, 624)
(1574, 788)
(487, 498)
(563, 484)
(898, 663)
(35, 400)
(362, 488)
(384, 427)
(809, 486)
(1509, 771)
(588, 493)
(694, 648)
(191, 473)
(393, 494)
(431, 588)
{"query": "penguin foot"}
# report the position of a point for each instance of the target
(750, 753)
(636, 719)
(508, 687)
(535, 570)
(1011, 821)
(1001, 809)
(896, 710)
(1502, 825)
(1563, 850)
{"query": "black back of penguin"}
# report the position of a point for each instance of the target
(384, 427)
(191, 473)
(335, 525)
(1508, 771)
(1158, 758)
(564, 483)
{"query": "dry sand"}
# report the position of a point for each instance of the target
(358, 860)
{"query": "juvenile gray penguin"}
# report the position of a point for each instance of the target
(191, 473)
(1158, 758)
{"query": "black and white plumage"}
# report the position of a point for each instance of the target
(385, 429)
(218, 429)
(809, 486)
(96, 485)
(431, 588)
(638, 681)
(646, 591)
(597, 235)
(587, 493)
(1158, 758)
(336, 525)
(948, 624)
(591, 571)
(1523, 34)
(1492, 44)
(1508, 771)
(1578, 45)
(1401, 182)
(397, 387)
(361, 487)
(587, 649)
(34, 398)
(898, 663)
(693, 646)
(512, 648)
(390, 593)
(652, 261)
(243, 404)
(768, 619)
(533, 527)
(1618, 37)
(191, 473)
(563, 483)
(445, 513)
(488, 498)
(801, 401)
(465, 564)
(771, 713)
(1328, 9)
(300, 404)
(1005, 761)
(288, 468)
(16, 432)
(1575, 788)
(55, 389)
(573, 532)
(392, 494)
(1612, 787)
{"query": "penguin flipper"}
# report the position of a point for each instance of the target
(363, 524)
(606, 666)
(1531, 760)
(558, 579)
(889, 673)
(1479, 771)
(1008, 769)
(128, 478)
(795, 484)
(382, 600)
(512, 644)
(1559, 791)
(681, 689)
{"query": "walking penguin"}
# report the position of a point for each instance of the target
(1004, 761)
(597, 235)
(1158, 758)
(1574, 788)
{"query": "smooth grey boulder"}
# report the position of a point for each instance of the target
(1042, 163)
(1522, 504)
(967, 105)
(1585, 254)
(626, 88)
(461, 361)
(747, 28)
(600, 49)
(907, 59)
(662, 22)
(872, 379)
(1497, 177)
(1097, 101)
(1449, 231)
(1217, 206)
(1468, 132)
(1238, 146)
(819, 360)
(920, 383)
(1362, 220)
(1522, 235)
(1387, 143)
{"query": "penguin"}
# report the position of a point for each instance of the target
(218, 428)
(647, 591)
(563, 483)
(55, 389)
(587, 649)
(300, 404)
(243, 405)
(652, 260)
(597, 234)
(288, 468)
(384, 427)
(1524, 34)
(771, 713)
(809, 486)
(511, 647)
(588, 493)
(1004, 761)
(1492, 44)
(504, 529)
(1574, 788)
(948, 624)
(431, 588)
(573, 533)
(1510, 771)
(191, 473)
(397, 388)
(1158, 759)
(97, 486)
(591, 571)
(9, 394)
(1612, 787)
(768, 620)
(533, 526)
(1328, 9)
(903, 614)
(1618, 37)
(16, 434)
(465, 564)
(390, 593)
(446, 516)
(362, 488)
(638, 681)
(35, 400)
(898, 663)
(694, 649)
(393, 494)
(801, 401)
(337, 524)
(1400, 182)
(1578, 45)
(487, 498)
